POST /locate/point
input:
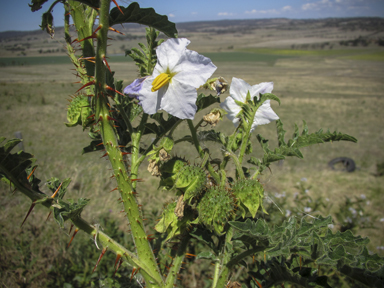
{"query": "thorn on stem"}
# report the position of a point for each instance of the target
(86, 85)
(113, 90)
(118, 7)
(57, 190)
(114, 30)
(70, 229)
(118, 256)
(101, 256)
(29, 212)
(118, 266)
(48, 216)
(73, 236)
(29, 176)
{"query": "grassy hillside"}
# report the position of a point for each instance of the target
(339, 88)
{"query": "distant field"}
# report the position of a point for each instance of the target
(215, 57)
(270, 56)
(340, 89)
(355, 54)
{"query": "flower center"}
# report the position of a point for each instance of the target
(160, 81)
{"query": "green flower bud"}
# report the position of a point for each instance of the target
(79, 112)
(215, 208)
(249, 195)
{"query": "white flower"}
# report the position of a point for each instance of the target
(238, 91)
(307, 209)
(176, 76)
(288, 213)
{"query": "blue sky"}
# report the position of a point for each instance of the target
(16, 15)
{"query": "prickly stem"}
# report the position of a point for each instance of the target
(115, 156)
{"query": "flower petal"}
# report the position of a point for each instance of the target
(239, 89)
(150, 101)
(264, 115)
(262, 88)
(233, 110)
(180, 100)
(133, 89)
(194, 69)
(170, 52)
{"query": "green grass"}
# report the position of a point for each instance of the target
(244, 57)
(375, 56)
(342, 95)
(353, 54)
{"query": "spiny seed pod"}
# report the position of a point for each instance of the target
(191, 180)
(215, 208)
(249, 194)
(79, 112)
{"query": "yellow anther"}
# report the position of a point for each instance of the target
(160, 81)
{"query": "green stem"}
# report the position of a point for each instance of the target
(237, 162)
(254, 176)
(197, 126)
(177, 261)
(216, 275)
(54, 4)
(108, 134)
(201, 151)
(136, 137)
(222, 278)
(244, 142)
(231, 138)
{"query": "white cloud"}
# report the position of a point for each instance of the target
(225, 14)
(317, 5)
(194, 13)
(270, 11)
(286, 8)
(171, 15)
(341, 5)
(309, 6)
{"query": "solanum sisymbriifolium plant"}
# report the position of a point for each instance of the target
(216, 213)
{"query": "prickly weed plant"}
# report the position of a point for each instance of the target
(216, 210)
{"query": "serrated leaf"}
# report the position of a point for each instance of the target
(278, 272)
(145, 16)
(292, 147)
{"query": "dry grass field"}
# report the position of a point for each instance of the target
(340, 88)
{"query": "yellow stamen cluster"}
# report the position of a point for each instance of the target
(160, 81)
